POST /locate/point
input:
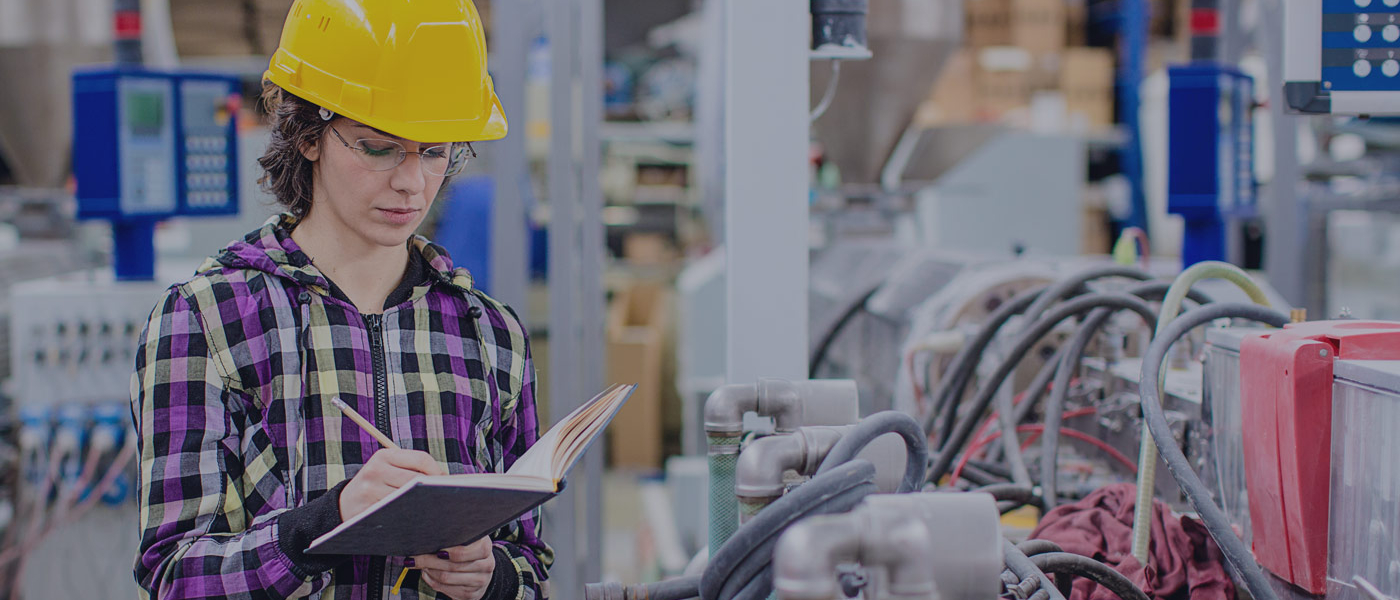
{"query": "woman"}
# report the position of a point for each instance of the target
(244, 460)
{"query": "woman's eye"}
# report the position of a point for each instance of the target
(435, 152)
(374, 149)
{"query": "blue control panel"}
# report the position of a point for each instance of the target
(1361, 45)
(1210, 154)
(148, 145)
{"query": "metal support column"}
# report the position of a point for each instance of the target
(511, 36)
(766, 218)
(574, 520)
(591, 296)
(1285, 214)
(1132, 56)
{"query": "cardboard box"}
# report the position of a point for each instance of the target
(637, 332)
(1036, 25)
(988, 23)
(1086, 80)
(210, 28)
(648, 249)
(1076, 23)
(1002, 82)
(953, 98)
(1097, 236)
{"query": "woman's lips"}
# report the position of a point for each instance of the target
(399, 216)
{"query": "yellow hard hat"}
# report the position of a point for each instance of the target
(413, 69)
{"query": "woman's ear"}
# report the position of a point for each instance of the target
(311, 150)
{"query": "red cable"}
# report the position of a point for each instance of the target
(914, 379)
(1065, 431)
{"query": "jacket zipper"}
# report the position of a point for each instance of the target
(375, 324)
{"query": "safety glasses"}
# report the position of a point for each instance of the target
(382, 155)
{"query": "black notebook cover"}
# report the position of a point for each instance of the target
(429, 518)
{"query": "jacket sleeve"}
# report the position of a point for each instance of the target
(196, 539)
(526, 557)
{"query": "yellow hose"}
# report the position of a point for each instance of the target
(1147, 457)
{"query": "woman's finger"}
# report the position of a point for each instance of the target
(421, 463)
(473, 581)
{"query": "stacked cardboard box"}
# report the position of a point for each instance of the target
(1019, 50)
(1086, 80)
(638, 349)
(211, 28)
(239, 28)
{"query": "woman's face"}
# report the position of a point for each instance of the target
(379, 207)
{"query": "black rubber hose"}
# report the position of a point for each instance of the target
(1152, 290)
(1022, 566)
(683, 588)
(1033, 394)
(1037, 300)
(1237, 554)
(748, 553)
(1010, 492)
(876, 425)
(1034, 547)
(1055, 406)
(1072, 356)
(1024, 342)
(992, 469)
(1066, 565)
(977, 476)
(754, 578)
(819, 356)
(1071, 284)
(955, 378)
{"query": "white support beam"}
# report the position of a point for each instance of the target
(765, 190)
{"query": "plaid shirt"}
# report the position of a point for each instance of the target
(231, 396)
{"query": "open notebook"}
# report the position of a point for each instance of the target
(431, 513)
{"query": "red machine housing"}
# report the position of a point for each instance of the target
(1286, 404)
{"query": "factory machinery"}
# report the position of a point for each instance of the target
(1271, 431)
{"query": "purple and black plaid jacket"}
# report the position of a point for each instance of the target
(243, 456)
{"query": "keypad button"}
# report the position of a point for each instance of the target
(1362, 33)
(1361, 68)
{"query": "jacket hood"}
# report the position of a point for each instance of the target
(270, 249)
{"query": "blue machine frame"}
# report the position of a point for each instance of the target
(1210, 162)
(150, 145)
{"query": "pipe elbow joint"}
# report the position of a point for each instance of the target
(759, 472)
(805, 559)
(725, 408)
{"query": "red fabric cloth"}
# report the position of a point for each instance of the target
(1186, 563)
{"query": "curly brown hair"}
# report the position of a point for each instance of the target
(296, 124)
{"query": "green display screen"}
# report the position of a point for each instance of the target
(145, 112)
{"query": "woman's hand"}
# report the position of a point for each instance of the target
(388, 470)
(460, 572)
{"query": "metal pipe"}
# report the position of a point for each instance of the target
(764, 462)
(725, 408)
(961, 562)
(790, 404)
(808, 552)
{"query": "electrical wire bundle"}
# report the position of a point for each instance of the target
(741, 569)
(1039, 308)
(60, 478)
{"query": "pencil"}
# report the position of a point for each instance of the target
(383, 441)
(365, 425)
